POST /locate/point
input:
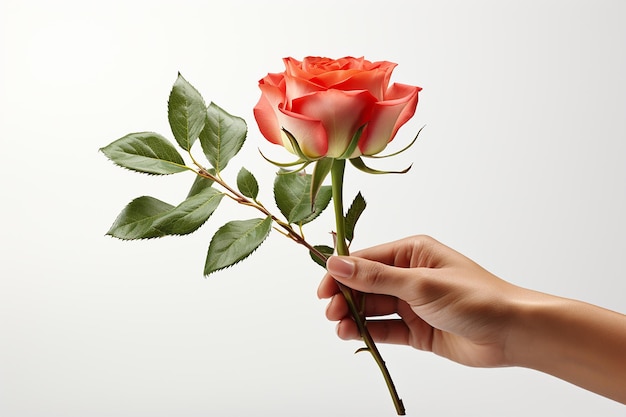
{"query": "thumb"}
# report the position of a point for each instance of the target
(370, 276)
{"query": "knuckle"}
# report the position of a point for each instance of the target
(375, 275)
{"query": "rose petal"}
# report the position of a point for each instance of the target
(387, 117)
(293, 68)
(342, 113)
(266, 110)
(373, 81)
(308, 132)
(296, 87)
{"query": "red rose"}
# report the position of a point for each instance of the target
(323, 102)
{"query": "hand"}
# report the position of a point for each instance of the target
(447, 304)
(451, 306)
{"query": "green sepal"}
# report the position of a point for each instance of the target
(292, 193)
(401, 150)
(145, 152)
(222, 137)
(247, 184)
(320, 172)
(300, 169)
(352, 216)
(326, 251)
(147, 217)
(285, 164)
(235, 241)
(359, 164)
(186, 112)
(353, 143)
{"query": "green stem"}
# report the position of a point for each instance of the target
(341, 247)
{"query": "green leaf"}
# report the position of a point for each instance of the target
(137, 219)
(353, 214)
(359, 164)
(200, 183)
(289, 191)
(147, 217)
(189, 215)
(186, 112)
(235, 241)
(222, 137)
(320, 172)
(326, 251)
(292, 193)
(247, 184)
(145, 152)
(324, 196)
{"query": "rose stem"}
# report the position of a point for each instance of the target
(337, 171)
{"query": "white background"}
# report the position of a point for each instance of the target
(521, 166)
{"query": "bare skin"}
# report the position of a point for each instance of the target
(447, 304)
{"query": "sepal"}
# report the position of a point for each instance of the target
(301, 162)
(359, 164)
(401, 150)
(353, 143)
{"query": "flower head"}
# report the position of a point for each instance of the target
(324, 104)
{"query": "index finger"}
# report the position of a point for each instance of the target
(409, 252)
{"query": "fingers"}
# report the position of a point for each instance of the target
(410, 252)
(328, 287)
(393, 331)
(373, 277)
(375, 306)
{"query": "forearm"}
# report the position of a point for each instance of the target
(574, 341)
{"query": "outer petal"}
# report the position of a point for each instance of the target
(342, 113)
(388, 116)
(266, 110)
(309, 133)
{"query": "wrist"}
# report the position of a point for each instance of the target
(534, 318)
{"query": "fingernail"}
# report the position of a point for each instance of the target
(340, 267)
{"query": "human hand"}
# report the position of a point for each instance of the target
(449, 305)
(446, 303)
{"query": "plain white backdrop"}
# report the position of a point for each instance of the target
(521, 166)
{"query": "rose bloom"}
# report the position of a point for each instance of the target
(323, 102)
